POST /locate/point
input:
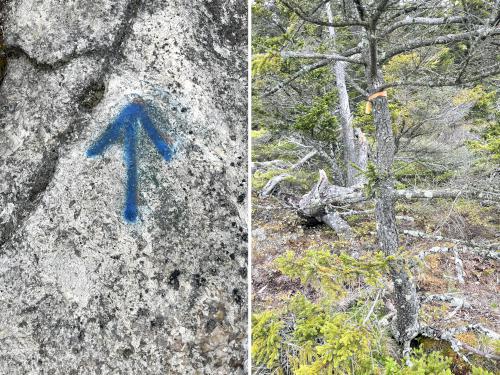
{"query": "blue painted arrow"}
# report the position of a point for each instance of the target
(128, 120)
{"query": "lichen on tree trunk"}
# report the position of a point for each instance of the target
(405, 295)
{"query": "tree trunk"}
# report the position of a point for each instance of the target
(350, 156)
(361, 154)
(405, 295)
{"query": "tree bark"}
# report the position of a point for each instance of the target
(350, 156)
(308, 206)
(313, 203)
(406, 325)
(361, 155)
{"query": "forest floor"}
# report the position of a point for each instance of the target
(277, 229)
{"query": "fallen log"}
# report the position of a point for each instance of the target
(453, 300)
(312, 205)
(470, 244)
(323, 201)
(447, 193)
(323, 194)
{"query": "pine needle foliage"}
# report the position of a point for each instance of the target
(331, 273)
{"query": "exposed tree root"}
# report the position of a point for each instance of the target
(453, 300)
(457, 345)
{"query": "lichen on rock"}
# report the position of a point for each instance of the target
(82, 291)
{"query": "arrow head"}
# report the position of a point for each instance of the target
(127, 120)
(161, 145)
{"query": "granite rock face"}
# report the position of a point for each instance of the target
(81, 290)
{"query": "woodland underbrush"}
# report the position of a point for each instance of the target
(323, 303)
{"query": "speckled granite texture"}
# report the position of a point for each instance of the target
(81, 291)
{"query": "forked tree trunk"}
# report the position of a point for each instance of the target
(405, 294)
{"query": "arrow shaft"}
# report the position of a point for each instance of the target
(130, 156)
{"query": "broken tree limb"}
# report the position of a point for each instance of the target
(278, 164)
(452, 300)
(419, 234)
(372, 308)
(302, 161)
(492, 254)
(459, 267)
(305, 69)
(446, 193)
(479, 352)
(356, 212)
(323, 194)
(275, 181)
(315, 55)
(272, 183)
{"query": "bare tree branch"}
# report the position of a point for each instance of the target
(304, 70)
(302, 14)
(410, 21)
(378, 11)
(361, 9)
(355, 86)
(315, 55)
(489, 72)
(443, 39)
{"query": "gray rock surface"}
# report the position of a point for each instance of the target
(82, 291)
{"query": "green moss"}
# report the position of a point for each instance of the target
(331, 273)
(256, 134)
